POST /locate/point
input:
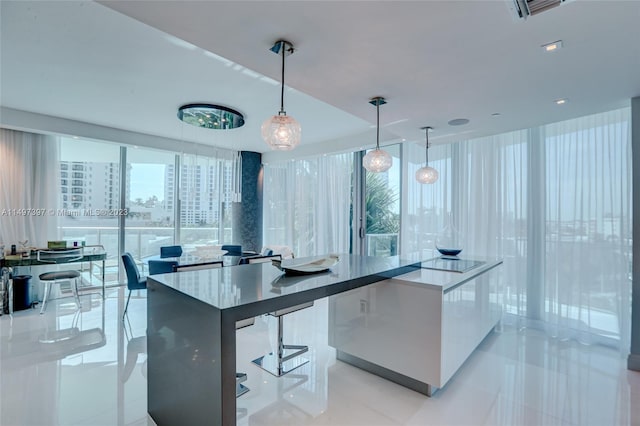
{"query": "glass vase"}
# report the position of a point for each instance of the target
(449, 239)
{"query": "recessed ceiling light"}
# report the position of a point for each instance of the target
(458, 122)
(560, 101)
(553, 46)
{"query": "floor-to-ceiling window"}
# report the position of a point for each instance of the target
(555, 203)
(150, 220)
(588, 227)
(90, 188)
(208, 186)
(89, 197)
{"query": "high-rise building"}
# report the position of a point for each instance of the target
(199, 197)
(89, 185)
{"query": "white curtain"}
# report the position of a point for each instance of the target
(587, 282)
(424, 207)
(307, 204)
(29, 188)
(555, 203)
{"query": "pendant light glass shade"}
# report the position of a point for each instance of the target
(282, 132)
(426, 174)
(377, 160)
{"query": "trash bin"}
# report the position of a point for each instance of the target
(21, 292)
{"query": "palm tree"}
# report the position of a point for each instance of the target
(379, 202)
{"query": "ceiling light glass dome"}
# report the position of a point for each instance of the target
(281, 132)
(377, 161)
(210, 116)
(426, 174)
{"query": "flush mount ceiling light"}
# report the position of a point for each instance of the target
(210, 116)
(377, 160)
(282, 132)
(426, 174)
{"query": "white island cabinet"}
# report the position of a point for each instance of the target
(418, 328)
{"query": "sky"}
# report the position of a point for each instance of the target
(147, 180)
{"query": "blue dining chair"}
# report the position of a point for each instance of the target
(170, 251)
(232, 250)
(134, 281)
(161, 266)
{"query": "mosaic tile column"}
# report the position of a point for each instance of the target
(247, 214)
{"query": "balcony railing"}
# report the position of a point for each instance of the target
(382, 244)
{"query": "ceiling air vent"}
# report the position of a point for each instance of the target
(524, 8)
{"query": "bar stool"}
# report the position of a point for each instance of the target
(54, 277)
(286, 357)
(50, 278)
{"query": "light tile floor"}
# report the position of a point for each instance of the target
(70, 367)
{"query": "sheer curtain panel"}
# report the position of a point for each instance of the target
(29, 183)
(555, 203)
(307, 204)
(587, 282)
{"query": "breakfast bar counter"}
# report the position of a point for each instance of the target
(191, 319)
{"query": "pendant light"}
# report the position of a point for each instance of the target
(377, 160)
(282, 132)
(426, 174)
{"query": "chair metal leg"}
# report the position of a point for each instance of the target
(240, 388)
(47, 294)
(287, 357)
(126, 306)
(74, 289)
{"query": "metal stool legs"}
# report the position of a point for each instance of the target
(286, 359)
(47, 294)
(240, 388)
(50, 278)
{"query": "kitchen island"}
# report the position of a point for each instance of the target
(418, 328)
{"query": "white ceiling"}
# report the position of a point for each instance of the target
(130, 64)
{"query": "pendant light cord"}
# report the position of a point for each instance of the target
(282, 111)
(378, 124)
(426, 150)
